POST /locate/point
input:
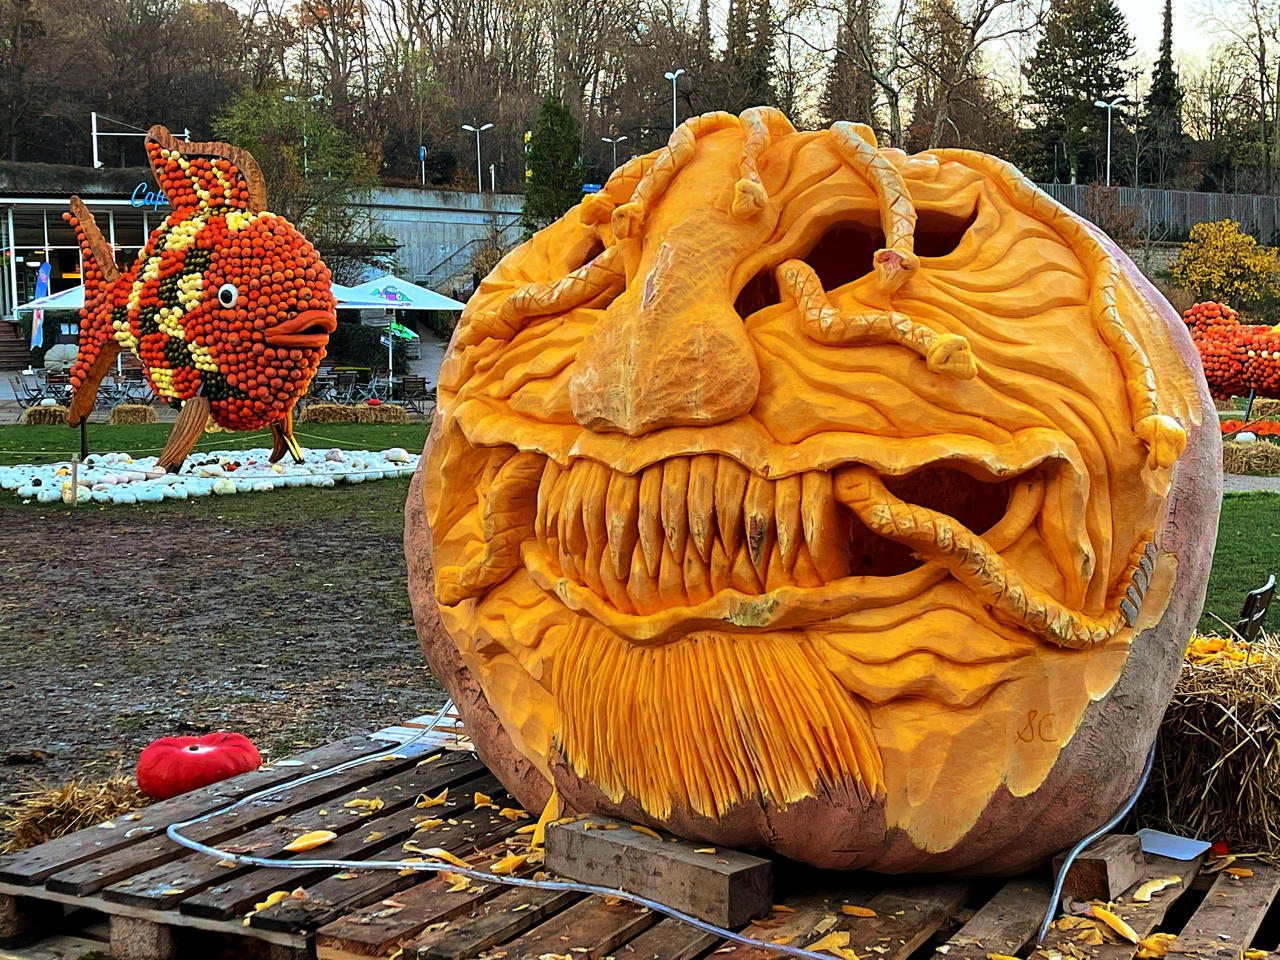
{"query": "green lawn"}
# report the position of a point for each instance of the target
(1248, 551)
(23, 444)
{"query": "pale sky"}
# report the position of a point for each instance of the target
(1190, 39)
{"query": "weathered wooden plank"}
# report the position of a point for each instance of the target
(366, 933)
(1143, 917)
(1004, 924)
(906, 916)
(668, 940)
(1230, 914)
(725, 887)
(94, 874)
(331, 898)
(501, 918)
(589, 929)
(30, 867)
(1105, 869)
(164, 886)
(236, 895)
(801, 921)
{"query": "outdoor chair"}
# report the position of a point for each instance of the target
(1254, 610)
(416, 394)
(345, 386)
(133, 387)
(58, 386)
(26, 391)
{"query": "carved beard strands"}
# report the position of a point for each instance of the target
(787, 478)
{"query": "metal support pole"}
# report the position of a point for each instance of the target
(93, 123)
(479, 172)
(1109, 112)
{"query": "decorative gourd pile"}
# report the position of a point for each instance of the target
(121, 480)
(1237, 357)
(793, 492)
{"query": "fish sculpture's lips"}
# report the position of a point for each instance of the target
(311, 328)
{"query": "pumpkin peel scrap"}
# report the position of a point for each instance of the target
(788, 479)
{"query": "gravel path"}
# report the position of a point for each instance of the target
(1242, 483)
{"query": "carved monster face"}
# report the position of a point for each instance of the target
(789, 468)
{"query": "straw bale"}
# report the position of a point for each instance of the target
(1260, 458)
(54, 416)
(327, 413)
(132, 413)
(42, 815)
(381, 413)
(1217, 769)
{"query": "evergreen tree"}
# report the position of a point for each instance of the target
(849, 93)
(1079, 59)
(555, 165)
(1165, 144)
(746, 68)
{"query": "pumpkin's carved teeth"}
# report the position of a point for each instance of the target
(686, 528)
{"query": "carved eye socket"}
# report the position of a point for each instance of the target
(228, 295)
(841, 255)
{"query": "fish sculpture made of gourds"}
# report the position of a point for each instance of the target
(794, 492)
(228, 306)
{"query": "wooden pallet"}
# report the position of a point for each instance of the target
(162, 902)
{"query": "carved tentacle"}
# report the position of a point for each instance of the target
(897, 261)
(601, 275)
(945, 353)
(1164, 437)
(679, 150)
(762, 124)
(972, 561)
(508, 518)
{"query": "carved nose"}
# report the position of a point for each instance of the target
(669, 352)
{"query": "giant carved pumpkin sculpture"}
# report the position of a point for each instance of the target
(797, 493)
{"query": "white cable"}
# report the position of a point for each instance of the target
(436, 866)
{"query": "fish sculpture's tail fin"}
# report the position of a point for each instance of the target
(98, 346)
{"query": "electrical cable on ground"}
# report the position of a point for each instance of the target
(173, 832)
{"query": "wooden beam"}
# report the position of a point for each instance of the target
(724, 887)
(589, 929)
(1004, 924)
(1105, 869)
(1224, 924)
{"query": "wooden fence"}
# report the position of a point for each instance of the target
(1171, 213)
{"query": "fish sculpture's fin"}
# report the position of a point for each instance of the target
(211, 174)
(282, 441)
(186, 431)
(98, 346)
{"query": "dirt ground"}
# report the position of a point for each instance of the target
(283, 617)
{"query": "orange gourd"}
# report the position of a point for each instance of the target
(795, 492)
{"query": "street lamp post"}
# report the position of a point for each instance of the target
(479, 170)
(311, 99)
(673, 77)
(1109, 106)
(614, 141)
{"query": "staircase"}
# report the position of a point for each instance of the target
(14, 354)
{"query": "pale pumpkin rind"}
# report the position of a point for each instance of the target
(792, 492)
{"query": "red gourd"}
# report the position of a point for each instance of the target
(173, 765)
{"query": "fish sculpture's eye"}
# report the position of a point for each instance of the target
(228, 295)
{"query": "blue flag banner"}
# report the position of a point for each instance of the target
(37, 316)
